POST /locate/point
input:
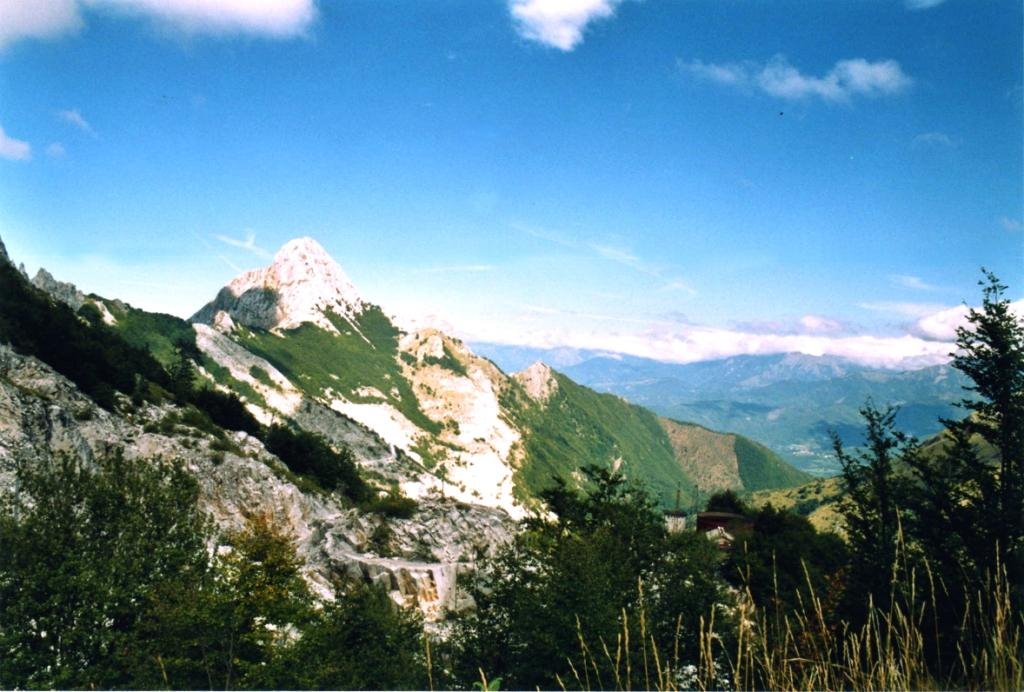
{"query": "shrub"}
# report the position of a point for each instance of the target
(308, 454)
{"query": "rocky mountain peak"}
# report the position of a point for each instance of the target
(538, 380)
(303, 284)
(303, 260)
(63, 291)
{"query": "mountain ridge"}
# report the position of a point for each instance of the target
(788, 401)
(297, 342)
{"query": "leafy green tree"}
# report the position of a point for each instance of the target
(83, 545)
(226, 410)
(362, 640)
(182, 377)
(263, 602)
(967, 501)
(572, 577)
(726, 501)
(990, 351)
(784, 561)
(306, 453)
(874, 508)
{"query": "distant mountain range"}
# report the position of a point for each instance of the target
(789, 402)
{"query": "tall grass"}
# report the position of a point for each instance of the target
(802, 650)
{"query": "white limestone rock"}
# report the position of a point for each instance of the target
(303, 284)
(538, 381)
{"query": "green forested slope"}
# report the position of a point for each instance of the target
(577, 427)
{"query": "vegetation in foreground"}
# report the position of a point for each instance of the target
(106, 579)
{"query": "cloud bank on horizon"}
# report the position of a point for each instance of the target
(928, 341)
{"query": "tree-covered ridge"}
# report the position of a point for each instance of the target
(717, 461)
(761, 468)
(103, 360)
(94, 357)
(577, 426)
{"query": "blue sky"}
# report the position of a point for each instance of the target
(681, 179)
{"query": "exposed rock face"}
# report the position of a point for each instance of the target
(417, 559)
(63, 291)
(538, 381)
(478, 444)
(302, 285)
(472, 452)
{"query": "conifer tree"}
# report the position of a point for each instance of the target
(970, 504)
(874, 507)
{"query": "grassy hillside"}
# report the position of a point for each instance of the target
(578, 426)
(361, 358)
(157, 333)
(717, 461)
(816, 500)
(761, 468)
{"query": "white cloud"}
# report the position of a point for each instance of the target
(922, 4)
(37, 19)
(1011, 225)
(280, 18)
(628, 259)
(808, 324)
(14, 149)
(55, 150)
(619, 255)
(558, 23)
(933, 139)
(678, 285)
(942, 325)
(777, 77)
(248, 244)
(693, 343)
(816, 324)
(72, 116)
(21, 19)
(913, 282)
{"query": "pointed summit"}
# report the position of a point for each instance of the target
(303, 284)
(538, 380)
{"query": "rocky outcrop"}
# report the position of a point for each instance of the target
(478, 445)
(538, 381)
(304, 284)
(418, 559)
(63, 291)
